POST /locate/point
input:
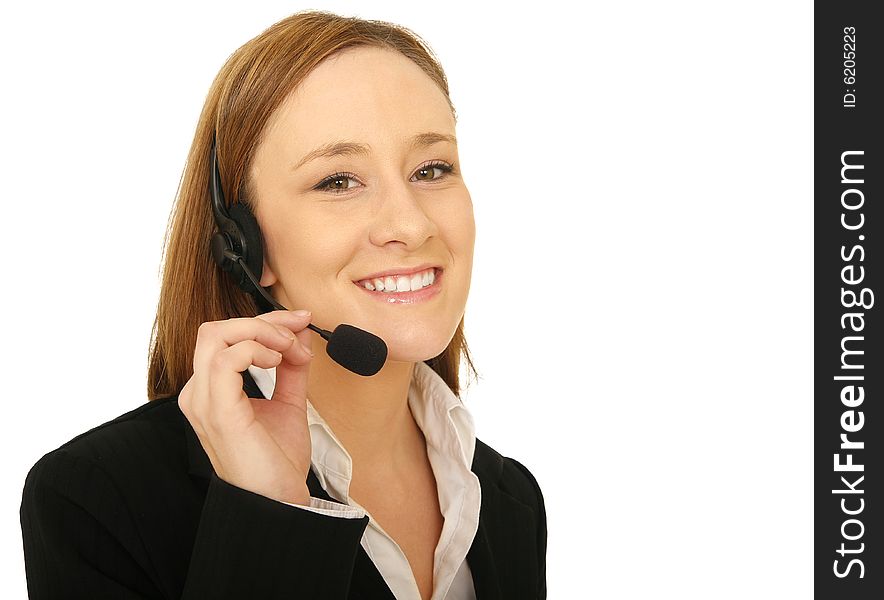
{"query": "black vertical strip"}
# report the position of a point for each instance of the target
(848, 366)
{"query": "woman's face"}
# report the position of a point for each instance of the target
(358, 175)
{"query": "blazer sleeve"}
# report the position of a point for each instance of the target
(81, 541)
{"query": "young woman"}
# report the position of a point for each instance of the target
(271, 462)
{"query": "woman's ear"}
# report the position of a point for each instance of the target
(268, 277)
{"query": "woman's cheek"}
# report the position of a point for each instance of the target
(465, 230)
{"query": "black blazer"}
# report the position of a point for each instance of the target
(133, 509)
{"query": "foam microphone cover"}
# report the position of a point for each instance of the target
(357, 350)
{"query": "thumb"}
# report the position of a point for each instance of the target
(293, 371)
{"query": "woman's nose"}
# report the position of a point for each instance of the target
(401, 216)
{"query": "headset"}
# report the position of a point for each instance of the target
(236, 246)
(238, 250)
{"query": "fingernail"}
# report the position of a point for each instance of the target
(301, 313)
(308, 351)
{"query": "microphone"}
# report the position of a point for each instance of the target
(354, 349)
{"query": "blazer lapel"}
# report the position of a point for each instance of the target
(487, 467)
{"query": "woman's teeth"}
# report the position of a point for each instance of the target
(400, 283)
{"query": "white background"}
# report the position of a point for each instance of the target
(641, 308)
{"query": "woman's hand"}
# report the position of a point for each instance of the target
(258, 445)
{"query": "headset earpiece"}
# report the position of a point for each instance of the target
(253, 252)
(238, 235)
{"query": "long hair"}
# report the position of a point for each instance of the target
(253, 82)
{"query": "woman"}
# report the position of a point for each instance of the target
(263, 465)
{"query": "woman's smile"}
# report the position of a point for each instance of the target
(409, 288)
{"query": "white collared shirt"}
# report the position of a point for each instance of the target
(451, 442)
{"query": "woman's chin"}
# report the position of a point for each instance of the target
(412, 350)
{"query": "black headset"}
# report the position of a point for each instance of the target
(238, 249)
(237, 245)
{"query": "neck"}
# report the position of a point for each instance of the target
(369, 415)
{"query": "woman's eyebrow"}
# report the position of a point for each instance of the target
(421, 140)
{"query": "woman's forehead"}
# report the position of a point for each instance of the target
(366, 93)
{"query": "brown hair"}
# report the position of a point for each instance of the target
(250, 86)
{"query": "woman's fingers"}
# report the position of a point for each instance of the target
(291, 372)
(215, 336)
(271, 330)
(225, 381)
(295, 322)
(224, 349)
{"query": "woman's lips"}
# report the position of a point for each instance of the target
(421, 295)
(406, 271)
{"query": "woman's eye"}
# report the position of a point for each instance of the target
(339, 182)
(432, 171)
